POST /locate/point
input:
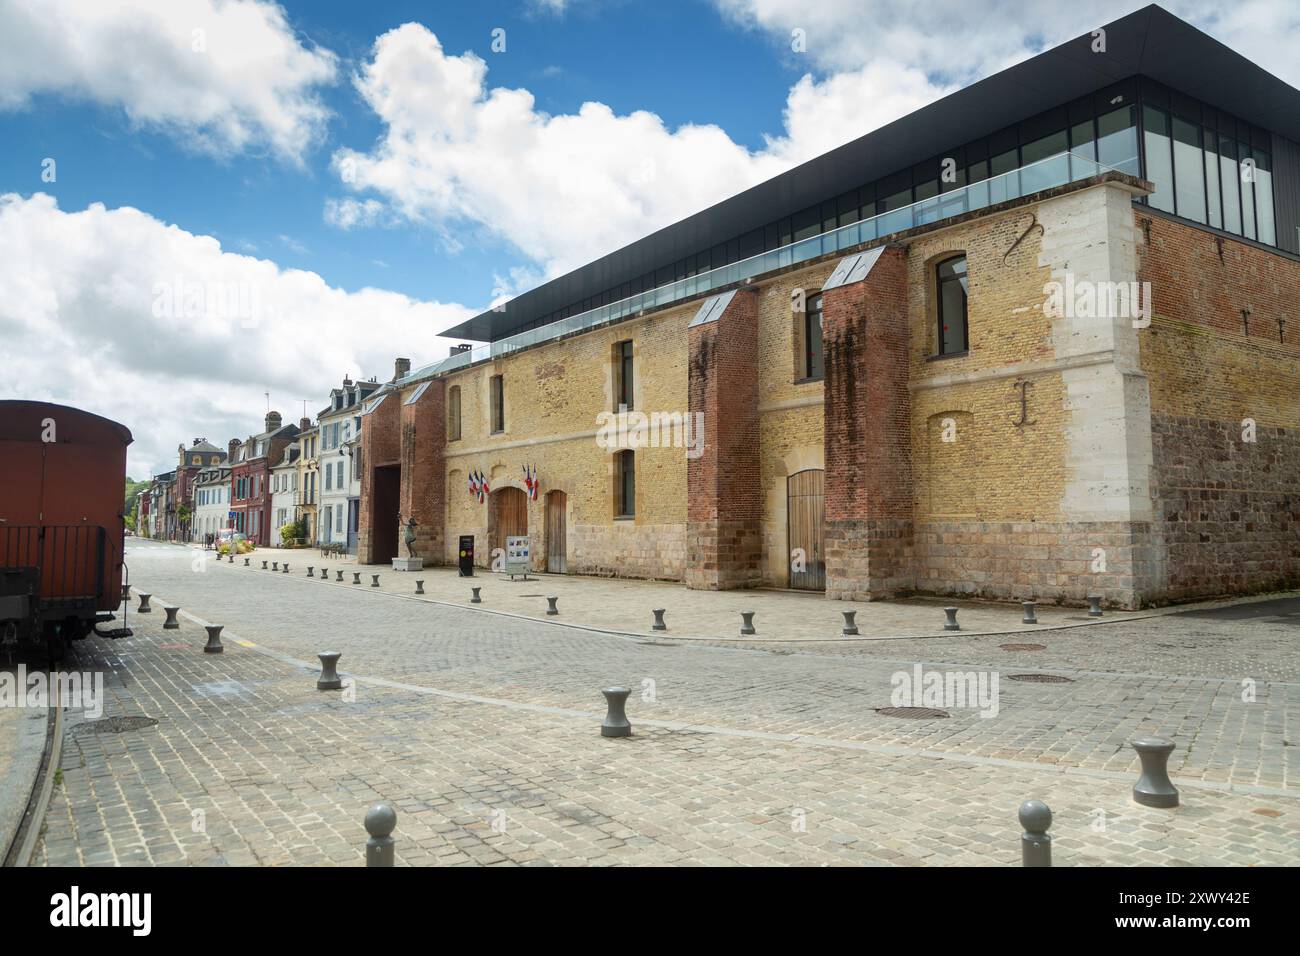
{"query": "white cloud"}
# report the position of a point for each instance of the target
(966, 40)
(223, 75)
(565, 189)
(89, 318)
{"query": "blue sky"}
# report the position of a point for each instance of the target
(332, 184)
(252, 203)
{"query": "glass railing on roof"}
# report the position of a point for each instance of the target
(1047, 173)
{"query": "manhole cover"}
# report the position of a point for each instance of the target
(915, 713)
(1041, 678)
(1023, 647)
(114, 725)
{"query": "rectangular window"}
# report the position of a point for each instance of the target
(1211, 156)
(453, 413)
(812, 338)
(338, 518)
(1160, 169)
(329, 477)
(498, 405)
(1117, 144)
(1264, 198)
(1229, 181)
(625, 467)
(623, 376)
(1189, 170)
(1245, 174)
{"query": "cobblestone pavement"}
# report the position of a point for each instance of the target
(473, 724)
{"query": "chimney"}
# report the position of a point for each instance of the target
(232, 449)
(401, 367)
(457, 349)
(304, 424)
(347, 381)
(272, 421)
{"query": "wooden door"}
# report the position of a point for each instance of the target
(556, 544)
(509, 515)
(806, 516)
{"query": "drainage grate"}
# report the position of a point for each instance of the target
(914, 713)
(1023, 647)
(114, 725)
(1042, 678)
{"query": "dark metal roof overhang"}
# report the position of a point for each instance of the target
(1150, 42)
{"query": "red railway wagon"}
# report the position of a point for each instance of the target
(62, 483)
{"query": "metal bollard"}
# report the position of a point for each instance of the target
(1154, 788)
(374, 580)
(171, 623)
(951, 624)
(551, 608)
(275, 565)
(1035, 842)
(381, 820)
(263, 565)
(476, 599)
(419, 587)
(311, 571)
(616, 723)
(230, 559)
(214, 639)
(329, 675)
(747, 622)
(286, 567)
(338, 576)
(356, 577)
(144, 607)
(1094, 609)
(1029, 617)
(246, 562)
(324, 574)
(850, 623)
(659, 624)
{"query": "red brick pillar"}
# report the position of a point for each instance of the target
(424, 475)
(868, 433)
(724, 541)
(380, 501)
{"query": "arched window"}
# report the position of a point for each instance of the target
(951, 289)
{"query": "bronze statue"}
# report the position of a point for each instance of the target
(411, 525)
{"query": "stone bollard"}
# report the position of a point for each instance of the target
(275, 565)
(747, 622)
(419, 587)
(374, 580)
(551, 608)
(659, 624)
(1035, 842)
(381, 820)
(1154, 788)
(951, 624)
(171, 624)
(263, 565)
(616, 723)
(850, 623)
(324, 574)
(476, 599)
(214, 639)
(1030, 617)
(329, 675)
(311, 571)
(1094, 609)
(144, 607)
(356, 577)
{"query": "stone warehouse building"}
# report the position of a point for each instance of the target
(1038, 339)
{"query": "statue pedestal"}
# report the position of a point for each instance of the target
(408, 564)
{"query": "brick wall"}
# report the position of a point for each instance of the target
(1227, 509)
(424, 489)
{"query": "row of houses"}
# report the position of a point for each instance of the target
(306, 475)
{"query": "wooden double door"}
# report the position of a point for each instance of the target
(806, 527)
